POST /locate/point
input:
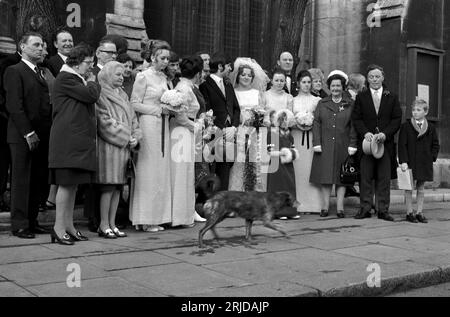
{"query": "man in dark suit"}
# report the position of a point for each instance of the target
(286, 63)
(64, 44)
(106, 52)
(377, 116)
(28, 105)
(220, 97)
(5, 155)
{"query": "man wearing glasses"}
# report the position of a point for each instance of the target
(106, 52)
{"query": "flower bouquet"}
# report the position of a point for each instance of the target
(253, 117)
(174, 101)
(206, 122)
(304, 120)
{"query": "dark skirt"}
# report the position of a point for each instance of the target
(70, 176)
(283, 180)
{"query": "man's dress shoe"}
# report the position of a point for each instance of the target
(23, 234)
(385, 216)
(363, 215)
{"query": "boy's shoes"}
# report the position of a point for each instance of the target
(411, 218)
(421, 218)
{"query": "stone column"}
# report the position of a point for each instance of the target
(128, 21)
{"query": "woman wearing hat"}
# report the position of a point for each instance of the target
(334, 138)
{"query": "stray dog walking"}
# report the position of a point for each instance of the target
(248, 205)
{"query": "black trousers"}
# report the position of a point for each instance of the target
(380, 171)
(29, 183)
(222, 171)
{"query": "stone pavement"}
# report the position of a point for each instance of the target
(321, 257)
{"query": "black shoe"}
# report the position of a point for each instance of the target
(363, 215)
(65, 240)
(421, 218)
(78, 236)
(411, 218)
(324, 213)
(40, 230)
(340, 214)
(351, 192)
(385, 216)
(24, 234)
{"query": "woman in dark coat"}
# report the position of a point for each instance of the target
(334, 138)
(418, 149)
(72, 153)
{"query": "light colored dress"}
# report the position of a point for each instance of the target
(183, 158)
(244, 175)
(308, 195)
(277, 102)
(151, 202)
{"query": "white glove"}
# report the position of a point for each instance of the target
(352, 151)
(318, 149)
(369, 137)
(404, 167)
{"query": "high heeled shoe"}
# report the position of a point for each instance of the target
(65, 240)
(108, 234)
(118, 233)
(78, 237)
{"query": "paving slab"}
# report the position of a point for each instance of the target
(26, 254)
(8, 240)
(121, 261)
(260, 270)
(330, 241)
(441, 261)
(88, 248)
(180, 279)
(102, 287)
(44, 272)
(380, 253)
(443, 238)
(8, 289)
(208, 255)
(274, 289)
(417, 244)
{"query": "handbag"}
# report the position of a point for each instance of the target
(131, 169)
(349, 171)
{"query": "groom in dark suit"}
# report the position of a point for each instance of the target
(30, 118)
(377, 116)
(220, 97)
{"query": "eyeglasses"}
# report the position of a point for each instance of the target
(109, 52)
(88, 62)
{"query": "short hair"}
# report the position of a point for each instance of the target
(199, 53)
(278, 71)
(374, 67)
(356, 82)
(337, 77)
(174, 58)
(191, 66)
(241, 71)
(317, 73)
(218, 59)
(120, 42)
(124, 57)
(105, 41)
(303, 74)
(283, 52)
(26, 37)
(60, 31)
(421, 104)
(150, 48)
(78, 54)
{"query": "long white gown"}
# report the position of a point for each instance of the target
(308, 195)
(248, 100)
(151, 202)
(183, 158)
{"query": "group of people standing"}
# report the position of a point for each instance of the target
(110, 126)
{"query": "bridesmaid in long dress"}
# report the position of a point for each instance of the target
(182, 129)
(246, 172)
(151, 204)
(308, 195)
